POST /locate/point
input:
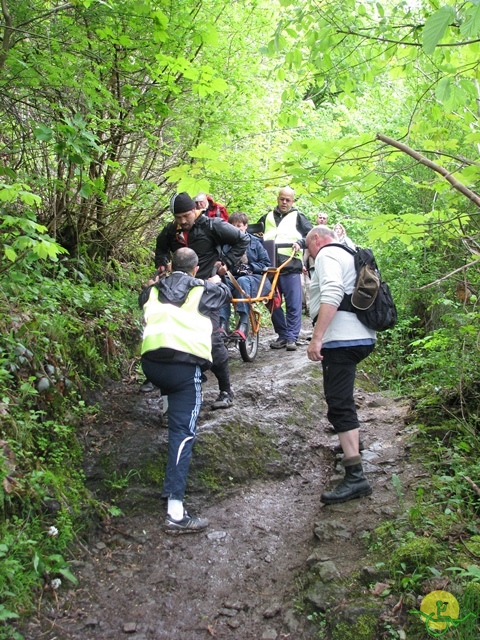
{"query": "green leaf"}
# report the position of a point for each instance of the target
(160, 19)
(30, 198)
(219, 85)
(10, 253)
(68, 575)
(160, 36)
(473, 137)
(86, 190)
(37, 563)
(210, 36)
(205, 151)
(470, 28)
(442, 91)
(435, 28)
(8, 194)
(336, 194)
(280, 42)
(43, 133)
(10, 173)
(125, 41)
(5, 614)
(193, 185)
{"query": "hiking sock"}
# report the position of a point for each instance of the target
(175, 509)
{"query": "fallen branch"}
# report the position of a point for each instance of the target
(475, 487)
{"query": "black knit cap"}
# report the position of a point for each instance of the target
(181, 203)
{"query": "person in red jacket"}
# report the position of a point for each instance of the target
(210, 208)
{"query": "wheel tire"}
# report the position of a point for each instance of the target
(249, 347)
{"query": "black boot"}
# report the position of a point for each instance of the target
(223, 329)
(354, 485)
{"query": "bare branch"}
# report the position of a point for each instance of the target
(473, 485)
(452, 273)
(456, 184)
(47, 14)
(7, 34)
(404, 42)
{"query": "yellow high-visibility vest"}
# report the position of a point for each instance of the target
(180, 328)
(285, 233)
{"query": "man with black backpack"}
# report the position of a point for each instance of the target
(207, 237)
(340, 341)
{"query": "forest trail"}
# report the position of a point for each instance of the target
(241, 578)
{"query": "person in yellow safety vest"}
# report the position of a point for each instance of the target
(286, 225)
(176, 348)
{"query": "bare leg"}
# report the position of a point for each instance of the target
(350, 443)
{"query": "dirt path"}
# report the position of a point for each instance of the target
(241, 579)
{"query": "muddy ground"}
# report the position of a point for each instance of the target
(269, 457)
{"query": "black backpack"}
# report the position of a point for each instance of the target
(371, 298)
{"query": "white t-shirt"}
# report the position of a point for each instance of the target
(334, 276)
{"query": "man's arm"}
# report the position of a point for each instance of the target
(143, 297)
(162, 248)
(237, 240)
(215, 295)
(325, 316)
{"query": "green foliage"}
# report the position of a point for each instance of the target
(62, 331)
(22, 239)
(365, 628)
(414, 554)
(120, 482)
(129, 100)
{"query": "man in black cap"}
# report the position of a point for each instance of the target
(208, 237)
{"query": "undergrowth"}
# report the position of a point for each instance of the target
(63, 329)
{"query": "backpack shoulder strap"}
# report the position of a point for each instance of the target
(342, 246)
(346, 303)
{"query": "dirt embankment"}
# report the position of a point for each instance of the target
(257, 474)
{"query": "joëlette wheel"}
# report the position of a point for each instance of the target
(249, 347)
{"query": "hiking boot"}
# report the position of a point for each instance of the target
(188, 524)
(279, 343)
(147, 387)
(224, 400)
(354, 485)
(291, 346)
(223, 328)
